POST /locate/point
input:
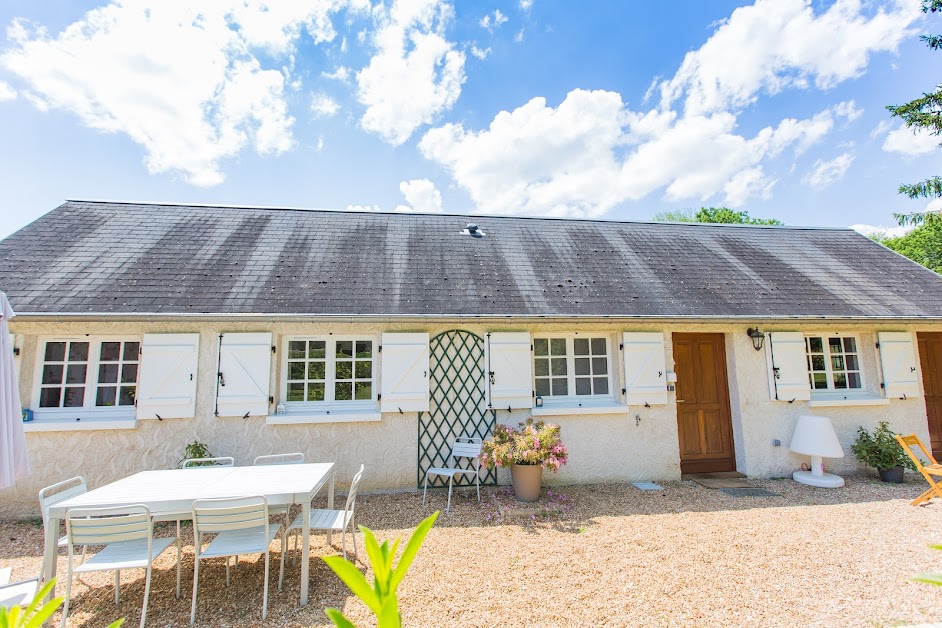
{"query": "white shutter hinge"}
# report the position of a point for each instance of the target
(271, 400)
(273, 348)
(878, 345)
(379, 349)
(622, 346)
(378, 397)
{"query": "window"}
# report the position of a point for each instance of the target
(833, 362)
(565, 366)
(329, 370)
(88, 373)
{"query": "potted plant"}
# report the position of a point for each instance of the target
(527, 450)
(883, 452)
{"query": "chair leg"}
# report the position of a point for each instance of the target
(450, 481)
(281, 567)
(227, 571)
(196, 578)
(117, 587)
(265, 595)
(146, 595)
(353, 533)
(477, 479)
(68, 597)
(425, 490)
(343, 542)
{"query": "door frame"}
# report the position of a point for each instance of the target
(722, 374)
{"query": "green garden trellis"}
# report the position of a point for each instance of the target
(458, 407)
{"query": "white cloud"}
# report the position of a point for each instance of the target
(882, 127)
(824, 173)
(777, 44)
(421, 195)
(526, 5)
(848, 109)
(363, 208)
(323, 106)
(191, 104)
(591, 153)
(416, 72)
(480, 54)
(6, 92)
(493, 21)
(519, 36)
(906, 141)
(894, 232)
(342, 73)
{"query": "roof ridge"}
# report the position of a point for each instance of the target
(457, 215)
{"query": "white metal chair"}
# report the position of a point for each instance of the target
(17, 593)
(241, 527)
(335, 520)
(464, 447)
(127, 532)
(295, 458)
(56, 493)
(221, 461)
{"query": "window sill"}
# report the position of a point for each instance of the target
(336, 415)
(828, 402)
(586, 407)
(64, 424)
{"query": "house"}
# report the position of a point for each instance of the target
(377, 338)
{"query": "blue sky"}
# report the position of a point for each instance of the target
(613, 110)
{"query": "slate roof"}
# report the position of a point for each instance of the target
(124, 258)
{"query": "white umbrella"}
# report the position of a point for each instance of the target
(13, 462)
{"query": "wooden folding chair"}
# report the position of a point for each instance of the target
(927, 470)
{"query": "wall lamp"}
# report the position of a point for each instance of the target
(758, 338)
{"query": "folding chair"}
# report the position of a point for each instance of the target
(927, 470)
(334, 520)
(464, 447)
(241, 527)
(127, 533)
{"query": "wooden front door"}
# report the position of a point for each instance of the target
(930, 359)
(703, 418)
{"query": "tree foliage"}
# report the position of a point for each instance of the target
(722, 215)
(923, 244)
(923, 113)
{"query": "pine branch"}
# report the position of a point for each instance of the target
(933, 41)
(931, 6)
(930, 188)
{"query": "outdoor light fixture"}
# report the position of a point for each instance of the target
(757, 337)
(814, 436)
(539, 401)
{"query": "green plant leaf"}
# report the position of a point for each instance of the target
(354, 580)
(389, 617)
(412, 548)
(380, 561)
(339, 620)
(928, 578)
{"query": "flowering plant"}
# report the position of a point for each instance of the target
(533, 443)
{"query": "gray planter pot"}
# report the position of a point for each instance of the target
(527, 479)
(894, 475)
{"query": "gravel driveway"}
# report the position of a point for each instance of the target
(601, 555)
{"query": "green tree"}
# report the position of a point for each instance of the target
(722, 215)
(923, 113)
(923, 244)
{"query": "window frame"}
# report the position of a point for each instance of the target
(91, 384)
(572, 398)
(330, 370)
(829, 373)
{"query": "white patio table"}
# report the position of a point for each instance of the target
(170, 492)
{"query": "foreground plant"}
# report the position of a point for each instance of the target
(36, 614)
(929, 578)
(381, 598)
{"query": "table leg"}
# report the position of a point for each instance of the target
(50, 552)
(330, 502)
(305, 549)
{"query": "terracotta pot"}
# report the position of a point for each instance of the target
(894, 474)
(527, 479)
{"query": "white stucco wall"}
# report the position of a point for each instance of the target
(639, 443)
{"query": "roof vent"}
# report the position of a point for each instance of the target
(473, 230)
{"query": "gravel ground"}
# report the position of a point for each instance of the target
(601, 555)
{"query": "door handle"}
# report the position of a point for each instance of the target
(680, 401)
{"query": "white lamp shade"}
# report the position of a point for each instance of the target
(814, 436)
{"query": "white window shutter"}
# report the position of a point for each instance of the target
(789, 366)
(898, 359)
(645, 371)
(167, 385)
(244, 374)
(512, 367)
(405, 367)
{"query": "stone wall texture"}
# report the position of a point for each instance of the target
(637, 444)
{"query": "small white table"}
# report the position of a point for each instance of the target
(172, 492)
